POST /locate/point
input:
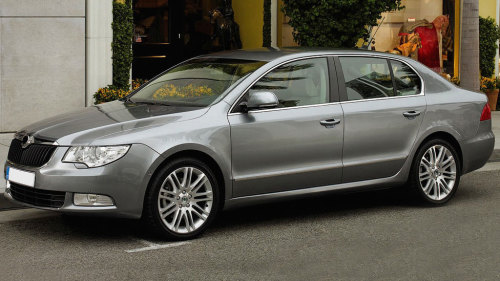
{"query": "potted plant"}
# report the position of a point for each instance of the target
(490, 88)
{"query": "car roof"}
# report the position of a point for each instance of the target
(269, 54)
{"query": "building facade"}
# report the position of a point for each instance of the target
(55, 54)
(51, 53)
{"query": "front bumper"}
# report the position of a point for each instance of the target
(124, 180)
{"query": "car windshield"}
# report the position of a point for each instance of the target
(197, 82)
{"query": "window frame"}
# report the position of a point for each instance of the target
(394, 79)
(333, 85)
(341, 79)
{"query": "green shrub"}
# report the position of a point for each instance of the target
(123, 32)
(334, 23)
(489, 33)
(488, 84)
(111, 92)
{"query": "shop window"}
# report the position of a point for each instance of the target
(366, 78)
(167, 32)
(153, 22)
(424, 31)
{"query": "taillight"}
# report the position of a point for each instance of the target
(486, 114)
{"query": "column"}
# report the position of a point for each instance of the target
(469, 42)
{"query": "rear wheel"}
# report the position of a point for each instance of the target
(183, 199)
(435, 173)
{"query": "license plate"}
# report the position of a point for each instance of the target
(21, 177)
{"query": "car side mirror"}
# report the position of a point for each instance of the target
(260, 100)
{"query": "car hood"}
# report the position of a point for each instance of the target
(83, 126)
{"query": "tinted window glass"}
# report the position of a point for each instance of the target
(407, 81)
(197, 82)
(367, 78)
(297, 83)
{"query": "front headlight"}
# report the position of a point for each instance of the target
(95, 156)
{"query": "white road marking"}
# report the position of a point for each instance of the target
(153, 246)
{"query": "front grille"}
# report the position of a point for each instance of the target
(35, 155)
(37, 197)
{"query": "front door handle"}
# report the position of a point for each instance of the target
(330, 123)
(411, 114)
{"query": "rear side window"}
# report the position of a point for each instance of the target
(367, 78)
(407, 81)
(298, 83)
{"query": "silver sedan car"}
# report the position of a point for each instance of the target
(251, 126)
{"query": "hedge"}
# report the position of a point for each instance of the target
(335, 23)
(489, 33)
(266, 29)
(123, 31)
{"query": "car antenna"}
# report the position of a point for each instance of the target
(372, 37)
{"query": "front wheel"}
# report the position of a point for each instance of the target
(435, 173)
(183, 199)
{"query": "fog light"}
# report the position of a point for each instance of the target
(92, 200)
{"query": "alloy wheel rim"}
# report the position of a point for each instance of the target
(437, 172)
(185, 200)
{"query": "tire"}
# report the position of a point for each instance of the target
(435, 182)
(177, 210)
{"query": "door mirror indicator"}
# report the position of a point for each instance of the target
(259, 100)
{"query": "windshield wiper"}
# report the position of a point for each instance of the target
(126, 100)
(146, 102)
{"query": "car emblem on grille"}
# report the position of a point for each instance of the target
(27, 140)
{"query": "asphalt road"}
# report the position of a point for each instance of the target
(364, 236)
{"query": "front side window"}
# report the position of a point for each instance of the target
(407, 81)
(366, 78)
(298, 83)
(197, 82)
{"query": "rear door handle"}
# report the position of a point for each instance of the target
(330, 123)
(411, 114)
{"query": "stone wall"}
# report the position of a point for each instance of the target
(42, 60)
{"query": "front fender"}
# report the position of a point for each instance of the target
(223, 161)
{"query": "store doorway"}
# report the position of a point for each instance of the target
(167, 32)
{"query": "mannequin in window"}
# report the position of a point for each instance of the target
(429, 41)
(432, 41)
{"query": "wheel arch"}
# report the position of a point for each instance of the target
(200, 153)
(447, 136)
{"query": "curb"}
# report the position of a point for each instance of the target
(495, 156)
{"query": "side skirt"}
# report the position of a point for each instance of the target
(393, 181)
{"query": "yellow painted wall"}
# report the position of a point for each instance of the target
(488, 8)
(249, 14)
(456, 39)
